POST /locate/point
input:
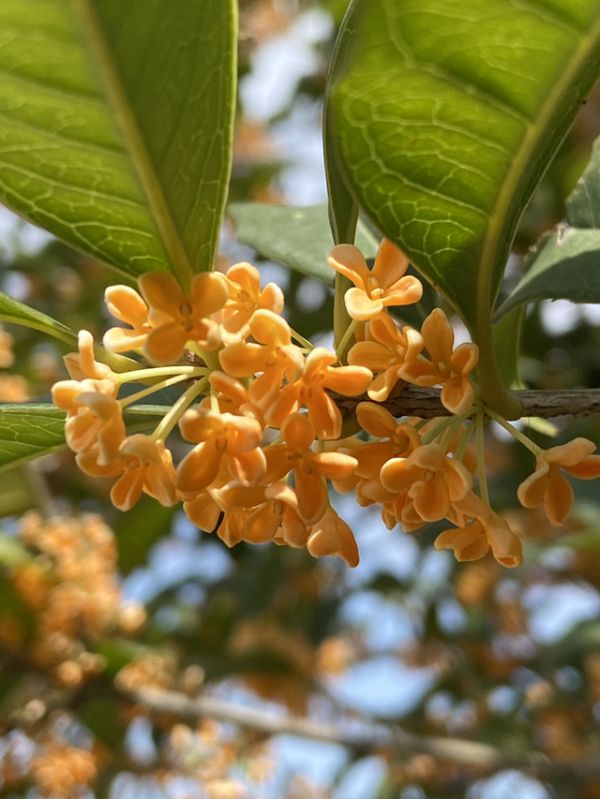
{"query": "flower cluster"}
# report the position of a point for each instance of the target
(258, 407)
(70, 584)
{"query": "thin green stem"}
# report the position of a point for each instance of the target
(301, 340)
(480, 446)
(159, 371)
(341, 317)
(450, 431)
(171, 381)
(344, 341)
(490, 383)
(211, 359)
(437, 431)
(515, 433)
(117, 362)
(168, 422)
(464, 442)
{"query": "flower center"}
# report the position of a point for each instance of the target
(221, 441)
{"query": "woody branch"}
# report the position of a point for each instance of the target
(365, 737)
(425, 403)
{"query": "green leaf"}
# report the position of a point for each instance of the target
(342, 205)
(116, 124)
(30, 431)
(566, 267)
(12, 552)
(446, 114)
(567, 263)
(507, 345)
(343, 208)
(583, 205)
(139, 529)
(104, 718)
(17, 493)
(298, 237)
(17, 313)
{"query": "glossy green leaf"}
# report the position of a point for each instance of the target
(343, 208)
(298, 237)
(116, 123)
(446, 114)
(566, 267)
(342, 205)
(583, 205)
(30, 431)
(566, 264)
(17, 313)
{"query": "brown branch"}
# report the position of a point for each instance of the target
(425, 403)
(363, 737)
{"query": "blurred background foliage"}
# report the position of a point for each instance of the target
(95, 604)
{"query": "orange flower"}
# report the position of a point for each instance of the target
(387, 351)
(311, 469)
(99, 421)
(65, 393)
(88, 462)
(468, 542)
(246, 296)
(231, 529)
(203, 511)
(235, 440)
(375, 290)
(487, 531)
(271, 513)
(332, 536)
(447, 368)
(233, 396)
(147, 467)
(310, 391)
(291, 529)
(273, 355)
(83, 363)
(398, 439)
(548, 487)
(431, 479)
(126, 305)
(404, 511)
(177, 319)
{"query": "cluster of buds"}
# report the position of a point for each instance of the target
(59, 769)
(72, 587)
(258, 407)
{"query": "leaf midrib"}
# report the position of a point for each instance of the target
(499, 219)
(134, 143)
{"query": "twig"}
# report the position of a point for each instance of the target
(425, 403)
(364, 737)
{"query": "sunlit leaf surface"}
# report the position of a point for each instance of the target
(446, 114)
(115, 125)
